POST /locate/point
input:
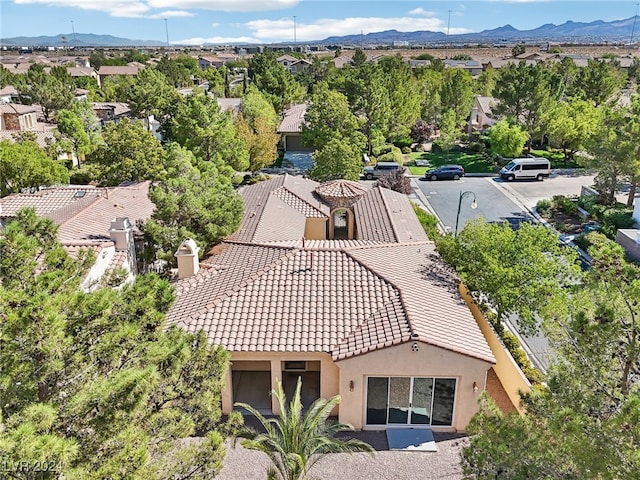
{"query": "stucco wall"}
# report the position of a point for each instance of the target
(329, 373)
(315, 229)
(506, 369)
(401, 361)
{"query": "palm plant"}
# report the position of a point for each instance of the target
(295, 441)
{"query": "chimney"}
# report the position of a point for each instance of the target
(121, 233)
(187, 256)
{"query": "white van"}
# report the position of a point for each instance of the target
(526, 168)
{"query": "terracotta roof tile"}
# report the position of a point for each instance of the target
(293, 119)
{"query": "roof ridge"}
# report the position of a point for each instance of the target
(375, 316)
(243, 284)
(284, 186)
(388, 212)
(374, 270)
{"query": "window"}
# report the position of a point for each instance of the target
(534, 166)
(295, 365)
(410, 401)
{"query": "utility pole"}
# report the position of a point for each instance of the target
(446, 47)
(295, 40)
(74, 32)
(633, 28)
(166, 28)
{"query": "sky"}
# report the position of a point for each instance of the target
(195, 22)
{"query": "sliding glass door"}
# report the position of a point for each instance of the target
(410, 401)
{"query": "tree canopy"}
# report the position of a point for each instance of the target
(93, 385)
(130, 153)
(520, 271)
(585, 422)
(196, 200)
(26, 165)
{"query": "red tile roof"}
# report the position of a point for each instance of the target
(293, 119)
(84, 213)
(268, 289)
(343, 302)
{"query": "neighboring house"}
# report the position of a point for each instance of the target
(474, 67)
(286, 61)
(209, 62)
(481, 113)
(291, 128)
(502, 62)
(81, 94)
(413, 63)
(106, 71)
(9, 94)
(77, 72)
(299, 66)
(215, 61)
(339, 285)
(111, 111)
(341, 61)
(17, 117)
(100, 219)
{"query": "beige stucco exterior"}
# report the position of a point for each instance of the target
(315, 228)
(398, 361)
(511, 377)
(403, 361)
(329, 374)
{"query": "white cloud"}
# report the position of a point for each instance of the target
(116, 8)
(226, 5)
(421, 11)
(276, 30)
(216, 40)
(172, 13)
(143, 8)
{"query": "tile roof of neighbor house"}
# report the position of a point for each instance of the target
(83, 212)
(106, 70)
(44, 133)
(487, 103)
(8, 90)
(119, 108)
(293, 119)
(260, 291)
(17, 108)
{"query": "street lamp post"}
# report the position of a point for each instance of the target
(474, 205)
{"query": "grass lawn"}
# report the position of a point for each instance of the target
(556, 157)
(472, 162)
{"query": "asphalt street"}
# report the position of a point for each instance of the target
(497, 201)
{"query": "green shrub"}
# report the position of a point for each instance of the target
(614, 219)
(406, 150)
(588, 202)
(544, 208)
(402, 142)
(394, 155)
(564, 204)
(428, 222)
(582, 241)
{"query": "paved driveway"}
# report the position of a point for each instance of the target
(242, 464)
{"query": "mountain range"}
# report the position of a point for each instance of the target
(575, 32)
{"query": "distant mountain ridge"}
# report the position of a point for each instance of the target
(78, 40)
(580, 32)
(596, 31)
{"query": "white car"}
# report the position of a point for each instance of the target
(422, 163)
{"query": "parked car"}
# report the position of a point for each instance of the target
(444, 172)
(526, 168)
(422, 163)
(379, 169)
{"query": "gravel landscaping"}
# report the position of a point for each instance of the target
(241, 464)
